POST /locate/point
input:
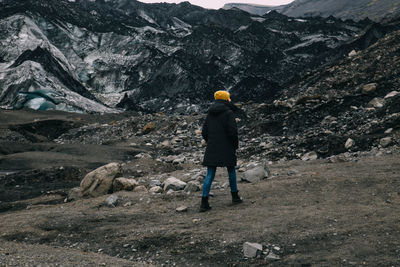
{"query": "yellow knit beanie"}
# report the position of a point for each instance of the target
(223, 95)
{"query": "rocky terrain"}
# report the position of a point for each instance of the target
(126, 55)
(252, 8)
(322, 208)
(117, 182)
(359, 9)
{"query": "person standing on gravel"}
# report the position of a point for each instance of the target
(220, 133)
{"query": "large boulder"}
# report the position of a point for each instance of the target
(100, 181)
(174, 184)
(256, 174)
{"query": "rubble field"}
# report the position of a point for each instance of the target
(340, 209)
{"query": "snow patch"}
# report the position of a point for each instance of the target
(259, 19)
(145, 16)
(148, 29)
(242, 28)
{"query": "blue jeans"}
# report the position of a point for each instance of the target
(210, 178)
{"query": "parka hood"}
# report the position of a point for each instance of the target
(218, 107)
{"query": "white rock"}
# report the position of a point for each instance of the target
(251, 250)
(174, 184)
(156, 189)
(178, 160)
(181, 209)
(389, 131)
(256, 174)
(384, 142)
(349, 143)
(310, 156)
(352, 53)
(140, 189)
(391, 94)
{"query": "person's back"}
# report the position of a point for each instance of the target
(220, 133)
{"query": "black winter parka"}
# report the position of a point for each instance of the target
(220, 133)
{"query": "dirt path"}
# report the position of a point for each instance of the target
(309, 213)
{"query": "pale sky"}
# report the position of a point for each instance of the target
(216, 4)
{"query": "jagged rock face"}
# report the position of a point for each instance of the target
(159, 57)
(332, 105)
(251, 8)
(356, 9)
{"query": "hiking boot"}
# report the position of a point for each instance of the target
(235, 198)
(204, 204)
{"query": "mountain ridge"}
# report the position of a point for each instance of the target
(164, 58)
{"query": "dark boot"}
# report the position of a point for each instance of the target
(235, 198)
(204, 204)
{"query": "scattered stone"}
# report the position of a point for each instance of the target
(310, 156)
(156, 189)
(192, 186)
(174, 184)
(349, 143)
(391, 94)
(149, 127)
(73, 194)
(140, 189)
(178, 160)
(154, 182)
(100, 181)
(164, 144)
(256, 174)
(199, 176)
(352, 53)
(273, 256)
(376, 103)
(384, 142)
(111, 201)
(389, 131)
(292, 172)
(170, 192)
(181, 209)
(121, 183)
(369, 88)
(252, 250)
(128, 204)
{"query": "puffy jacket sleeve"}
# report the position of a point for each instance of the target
(204, 131)
(232, 130)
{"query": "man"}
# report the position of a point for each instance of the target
(220, 133)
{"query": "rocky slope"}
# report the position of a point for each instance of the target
(356, 9)
(161, 57)
(251, 8)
